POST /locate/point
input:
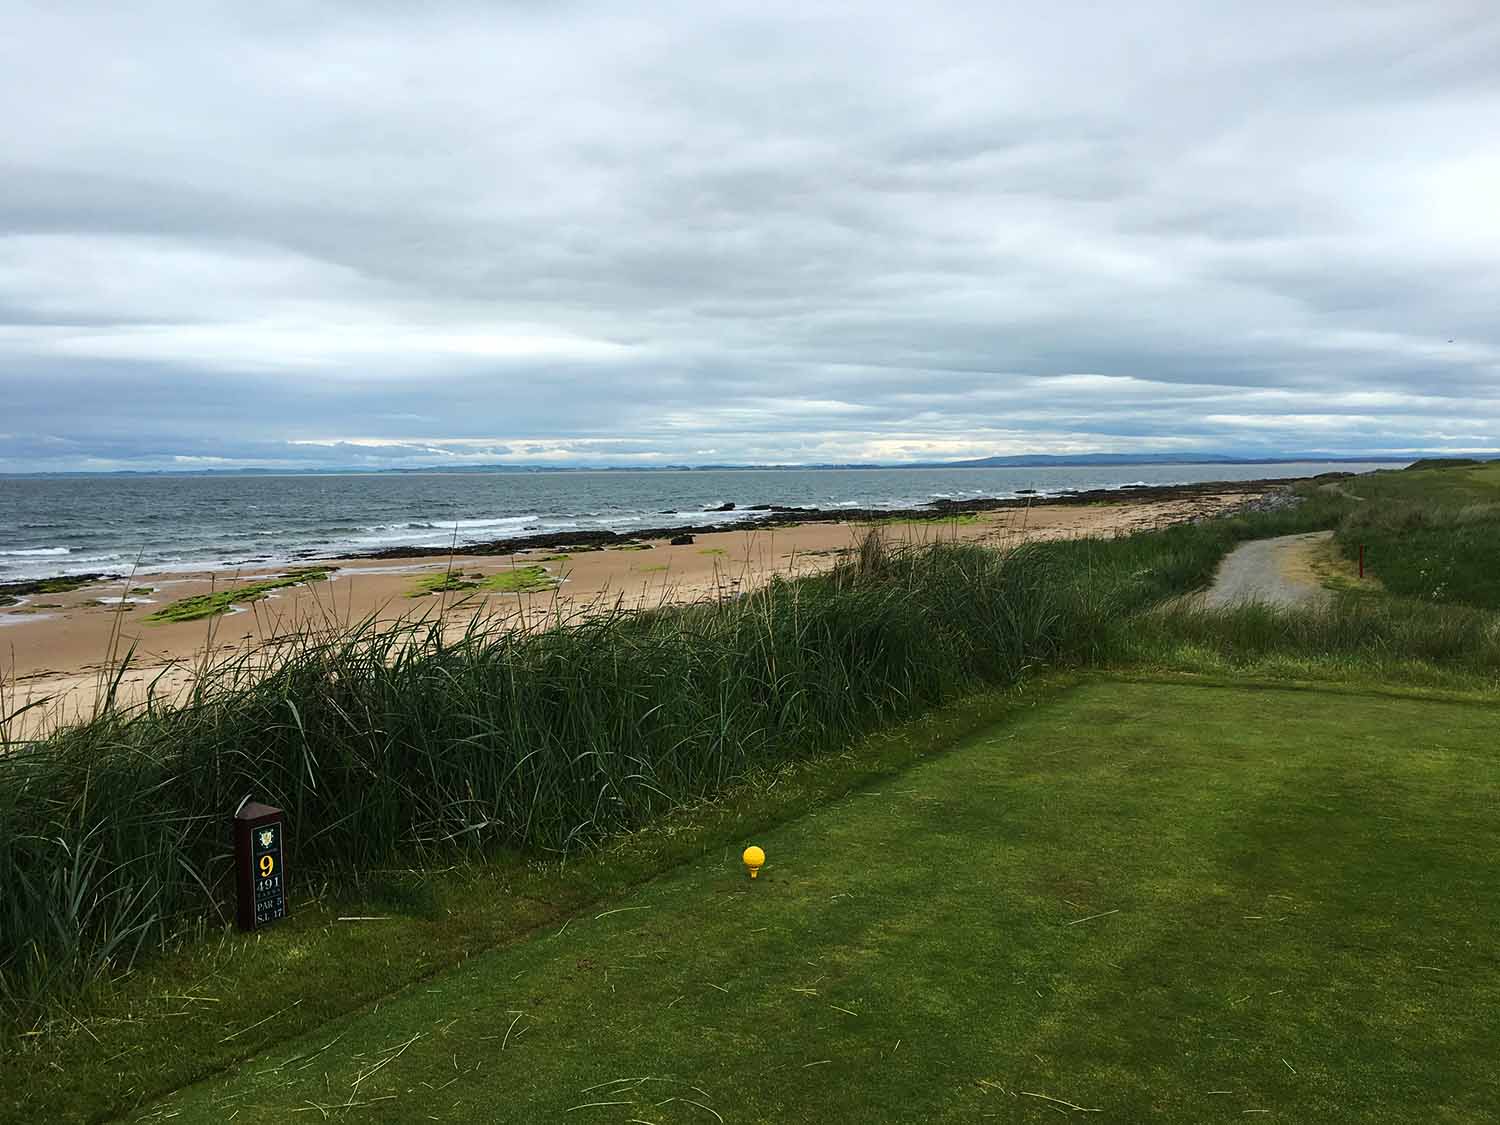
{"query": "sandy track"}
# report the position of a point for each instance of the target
(1277, 572)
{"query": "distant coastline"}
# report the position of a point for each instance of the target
(1026, 461)
(767, 517)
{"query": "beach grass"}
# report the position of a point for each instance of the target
(1358, 636)
(1430, 533)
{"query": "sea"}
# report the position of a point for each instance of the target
(55, 525)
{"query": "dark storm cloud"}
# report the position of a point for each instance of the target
(402, 234)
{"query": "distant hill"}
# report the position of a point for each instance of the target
(1447, 463)
(1049, 460)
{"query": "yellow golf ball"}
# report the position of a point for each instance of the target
(753, 857)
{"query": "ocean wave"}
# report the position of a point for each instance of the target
(489, 521)
(618, 521)
(422, 530)
(36, 552)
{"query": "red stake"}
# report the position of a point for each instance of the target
(1361, 562)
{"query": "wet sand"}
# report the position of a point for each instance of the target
(56, 649)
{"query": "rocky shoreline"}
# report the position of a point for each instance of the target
(770, 516)
(12, 592)
(767, 516)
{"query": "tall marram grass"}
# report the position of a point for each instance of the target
(1397, 640)
(403, 745)
(1436, 552)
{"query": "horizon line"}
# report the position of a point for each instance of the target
(1020, 460)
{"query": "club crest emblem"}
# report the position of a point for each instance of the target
(268, 837)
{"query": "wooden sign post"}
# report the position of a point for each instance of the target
(260, 864)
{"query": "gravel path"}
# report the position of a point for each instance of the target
(1275, 571)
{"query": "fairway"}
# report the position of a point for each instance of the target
(1153, 900)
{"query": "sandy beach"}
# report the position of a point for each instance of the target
(55, 649)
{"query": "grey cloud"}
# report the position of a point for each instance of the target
(787, 231)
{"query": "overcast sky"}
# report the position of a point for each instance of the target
(398, 233)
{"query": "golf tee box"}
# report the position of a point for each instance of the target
(259, 865)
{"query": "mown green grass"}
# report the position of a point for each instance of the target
(1277, 901)
(216, 602)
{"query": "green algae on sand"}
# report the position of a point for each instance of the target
(521, 580)
(219, 601)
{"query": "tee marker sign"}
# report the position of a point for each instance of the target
(260, 865)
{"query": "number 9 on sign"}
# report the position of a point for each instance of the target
(267, 865)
